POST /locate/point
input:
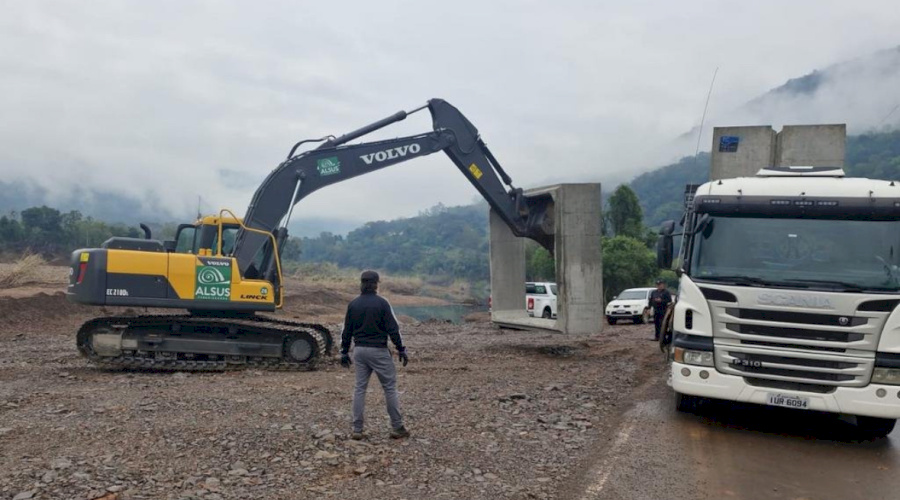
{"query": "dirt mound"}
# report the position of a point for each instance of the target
(38, 307)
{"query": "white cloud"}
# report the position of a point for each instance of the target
(153, 99)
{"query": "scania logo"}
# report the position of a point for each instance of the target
(390, 154)
(791, 300)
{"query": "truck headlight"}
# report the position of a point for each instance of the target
(699, 358)
(889, 376)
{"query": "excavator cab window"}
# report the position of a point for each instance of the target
(229, 233)
(186, 239)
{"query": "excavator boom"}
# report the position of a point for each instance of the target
(335, 161)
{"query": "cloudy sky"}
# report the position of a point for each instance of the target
(168, 100)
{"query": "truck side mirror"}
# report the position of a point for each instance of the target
(665, 245)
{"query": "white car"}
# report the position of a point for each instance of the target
(540, 299)
(629, 305)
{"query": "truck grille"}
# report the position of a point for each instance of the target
(806, 347)
(809, 368)
(799, 330)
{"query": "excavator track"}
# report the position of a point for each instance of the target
(157, 342)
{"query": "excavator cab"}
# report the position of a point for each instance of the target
(202, 237)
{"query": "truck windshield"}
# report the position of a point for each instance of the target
(632, 295)
(849, 255)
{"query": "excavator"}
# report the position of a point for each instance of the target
(225, 271)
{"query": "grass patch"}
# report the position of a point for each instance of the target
(27, 269)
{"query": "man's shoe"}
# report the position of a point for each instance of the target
(399, 433)
(357, 436)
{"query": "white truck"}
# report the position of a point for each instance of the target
(540, 299)
(631, 304)
(788, 294)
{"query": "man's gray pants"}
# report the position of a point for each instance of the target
(378, 360)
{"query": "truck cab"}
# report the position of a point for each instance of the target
(788, 294)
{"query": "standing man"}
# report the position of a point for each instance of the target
(659, 301)
(369, 323)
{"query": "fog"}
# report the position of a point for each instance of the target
(165, 102)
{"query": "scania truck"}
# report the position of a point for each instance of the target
(789, 293)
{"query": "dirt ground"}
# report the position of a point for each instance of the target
(493, 414)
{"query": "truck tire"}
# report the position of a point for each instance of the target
(547, 314)
(638, 320)
(611, 321)
(685, 403)
(875, 427)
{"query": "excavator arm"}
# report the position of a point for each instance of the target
(335, 161)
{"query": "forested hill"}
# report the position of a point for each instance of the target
(874, 155)
(441, 241)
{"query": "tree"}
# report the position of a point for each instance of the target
(539, 264)
(624, 214)
(627, 263)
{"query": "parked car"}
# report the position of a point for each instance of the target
(630, 305)
(540, 299)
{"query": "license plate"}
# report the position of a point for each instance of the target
(788, 401)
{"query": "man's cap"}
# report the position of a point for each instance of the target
(369, 276)
(658, 282)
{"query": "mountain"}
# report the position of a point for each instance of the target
(863, 92)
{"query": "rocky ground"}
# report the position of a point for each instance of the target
(493, 413)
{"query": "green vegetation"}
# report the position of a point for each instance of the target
(628, 260)
(627, 263)
(624, 216)
(48, 231)
(441, 243)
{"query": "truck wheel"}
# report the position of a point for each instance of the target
(685, 403)
(611, 321)
(638, 320)
(547, 313)
(875, 427)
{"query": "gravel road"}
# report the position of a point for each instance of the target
(493, 413)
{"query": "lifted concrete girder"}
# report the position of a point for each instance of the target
(579, 271)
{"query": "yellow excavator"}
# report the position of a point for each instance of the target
(225, 270)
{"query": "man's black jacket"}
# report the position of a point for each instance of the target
(665, 298)
(369, 322)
